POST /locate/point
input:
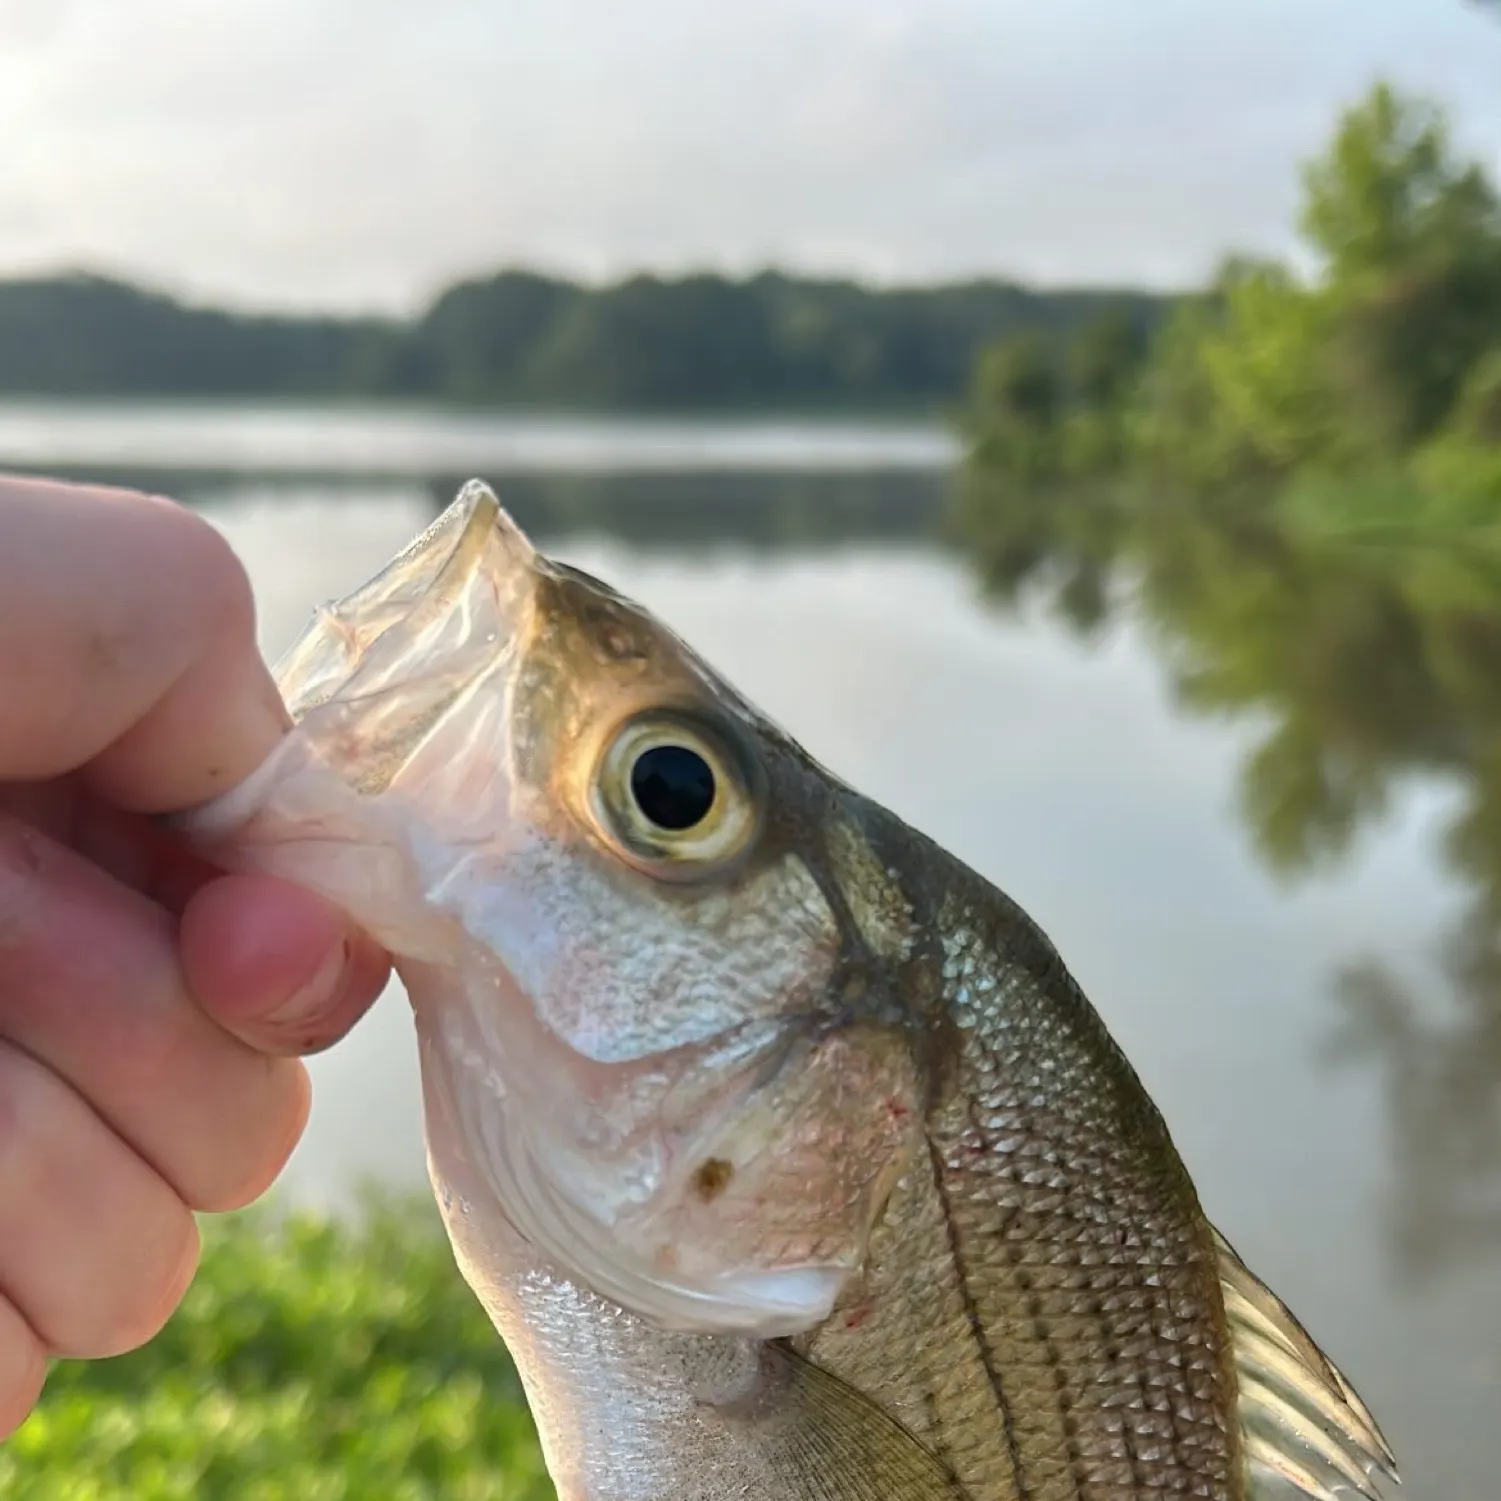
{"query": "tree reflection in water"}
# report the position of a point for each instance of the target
(1443, 1084)
(1371, 659)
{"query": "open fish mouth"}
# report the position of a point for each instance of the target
(389, 687)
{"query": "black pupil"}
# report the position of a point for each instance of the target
(673, 786)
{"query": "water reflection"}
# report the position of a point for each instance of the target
(769, 510)
(1362, 663)
(783, 511)
(1442, 1080)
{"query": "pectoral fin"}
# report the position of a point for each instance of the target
(1305, 1431)
(837, 1445)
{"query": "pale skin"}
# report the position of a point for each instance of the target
(152, 1010)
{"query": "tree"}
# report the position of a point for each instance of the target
(1360, 366)
(1391, 194)
(1105, 356)
(1411, 236)
(1020, 384)
(1401, 349)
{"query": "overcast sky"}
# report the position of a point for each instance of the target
(359, 153)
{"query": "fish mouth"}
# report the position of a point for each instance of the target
(395, 688)
(442, 606)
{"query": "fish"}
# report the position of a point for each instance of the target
(782, 1148)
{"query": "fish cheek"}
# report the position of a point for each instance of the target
(623, 967)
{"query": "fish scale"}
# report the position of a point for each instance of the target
(1092, 1284)
(781, 1148)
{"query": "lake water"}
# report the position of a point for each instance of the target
(1364, 1185)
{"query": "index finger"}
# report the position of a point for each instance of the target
(127, 648)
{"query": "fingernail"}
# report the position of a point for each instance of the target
(314, 995)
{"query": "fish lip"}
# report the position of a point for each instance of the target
(407, 599)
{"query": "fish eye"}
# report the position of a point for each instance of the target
(673, 786)
(673, 796)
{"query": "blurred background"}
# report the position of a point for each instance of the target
(1079, 422)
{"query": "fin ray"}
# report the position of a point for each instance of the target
(1304, 1428)
(845, 1448)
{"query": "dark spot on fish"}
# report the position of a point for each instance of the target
(857, 1315)
(712, 1178)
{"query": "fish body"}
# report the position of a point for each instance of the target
(782, 1149)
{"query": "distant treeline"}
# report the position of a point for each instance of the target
(697, 342)
(1366, 388)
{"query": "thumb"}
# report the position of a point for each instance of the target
(276, 966)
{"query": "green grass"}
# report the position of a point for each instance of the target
(311, 1361)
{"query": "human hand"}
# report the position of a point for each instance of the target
(150, 1007)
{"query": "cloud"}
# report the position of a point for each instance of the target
(362, 152)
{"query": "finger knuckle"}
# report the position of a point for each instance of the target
(127, 1262)
(223, 587)
(23, 1119)
(141, 1306)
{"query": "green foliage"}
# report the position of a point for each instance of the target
(1477, 415)
(310, 1361)
(1042, 414)
(646, 343)
(1173, 420)
(1260, 363)
(1385, 359)
(1390, 193)
(1104, 357)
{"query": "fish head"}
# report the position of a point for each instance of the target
(649, 950)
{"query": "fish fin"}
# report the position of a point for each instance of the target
(843, 1447)
(1304, 1430)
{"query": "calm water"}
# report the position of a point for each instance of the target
(421, 441)
(1331, 1072)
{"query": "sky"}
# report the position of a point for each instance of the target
(360, 154)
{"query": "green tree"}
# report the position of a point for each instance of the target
(1105, 357)
(645, 343)
(1262, 362)
(1478, 416)
(1410, 235)
(1018, 403)
(1271, 374)
(1391, 193)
